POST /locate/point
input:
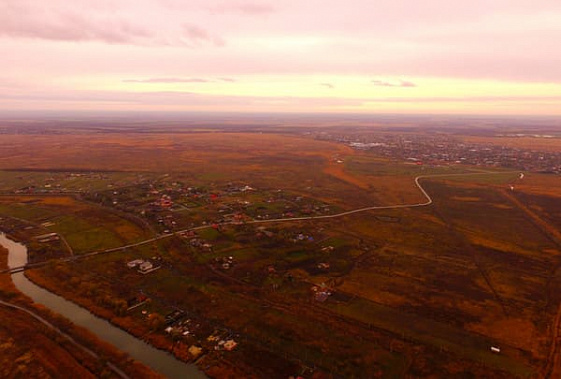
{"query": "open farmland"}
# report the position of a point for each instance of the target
(230, 221)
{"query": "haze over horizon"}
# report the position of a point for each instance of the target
(406, 57)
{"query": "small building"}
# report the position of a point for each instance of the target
(49, 237)
(136, 262)
(195, 351)
(230, 345)
(145, 267)
(165, 201)
(321, 296)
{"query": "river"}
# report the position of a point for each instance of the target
(160, 361)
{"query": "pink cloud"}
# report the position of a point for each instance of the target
(17, 20)
(401, 83)
(105, 21)
(159, 41)
(166, 80)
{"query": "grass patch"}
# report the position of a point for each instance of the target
(436, 334)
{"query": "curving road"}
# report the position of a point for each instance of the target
(305, 218)
(372, 208)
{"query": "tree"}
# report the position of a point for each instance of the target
(156, 321)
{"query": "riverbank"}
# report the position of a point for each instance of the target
(32, 348)
(126, 323)
(159, 361)
(211, 364)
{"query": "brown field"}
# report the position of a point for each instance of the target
(264, 160)
(159, 152)
(417, 292)
(540, 184)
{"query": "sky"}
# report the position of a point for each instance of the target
(498, 57)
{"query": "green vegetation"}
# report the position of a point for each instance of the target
(436, 334)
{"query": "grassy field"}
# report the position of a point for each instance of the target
(263, 160)
(42, 180)
(371, 165)
(437, 334)
(85, 227)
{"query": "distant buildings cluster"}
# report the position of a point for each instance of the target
(449, 149)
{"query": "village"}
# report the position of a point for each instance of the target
(202, 338)
(189, 332)
(216, 237)
(171, 205)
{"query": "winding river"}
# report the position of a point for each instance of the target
(160, 361)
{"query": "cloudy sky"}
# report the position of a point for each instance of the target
(356, 56)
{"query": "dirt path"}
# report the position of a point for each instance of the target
(549, 230)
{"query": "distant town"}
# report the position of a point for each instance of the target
(440, 148)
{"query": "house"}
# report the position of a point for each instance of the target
(323, 266)
(49, 237)
(195, 351)
(166, 202)
(136, 262)
(145, 267)
(321, 296)
(230, 345)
